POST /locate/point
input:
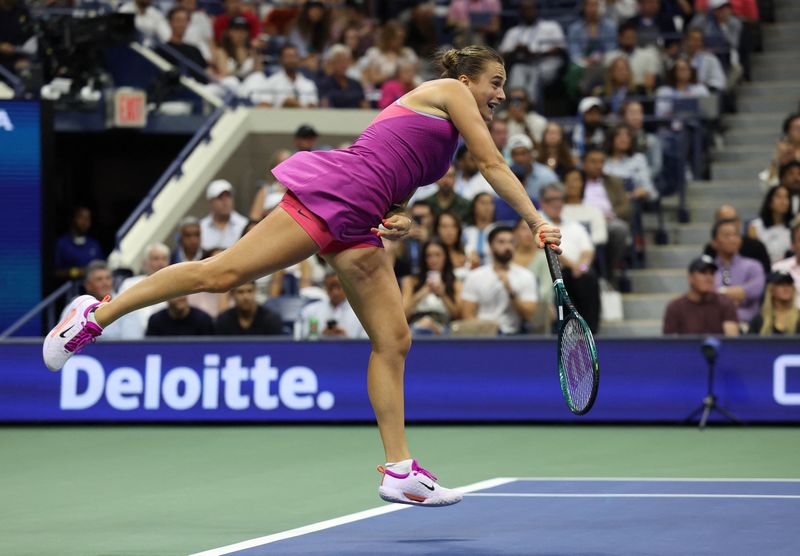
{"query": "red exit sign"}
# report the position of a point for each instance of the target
(130, 108)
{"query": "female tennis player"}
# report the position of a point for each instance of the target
(341, 203)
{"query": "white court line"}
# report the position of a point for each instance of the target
(662, 479)
(482, 485)
(350, 518)
(631, 495)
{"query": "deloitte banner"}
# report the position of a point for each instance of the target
(453, 380)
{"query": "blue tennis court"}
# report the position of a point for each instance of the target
(535, 516)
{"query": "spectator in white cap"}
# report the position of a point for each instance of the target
(223, 225)
(532, 174)
(590, 129)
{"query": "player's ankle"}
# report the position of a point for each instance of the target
(99, 317)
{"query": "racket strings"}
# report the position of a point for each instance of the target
(578, 364)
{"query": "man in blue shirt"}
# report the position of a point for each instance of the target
(76, 249)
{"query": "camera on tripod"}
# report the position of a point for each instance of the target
(72, 43)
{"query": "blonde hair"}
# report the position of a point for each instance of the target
(768, 315)
(608, 88)
(469, 61)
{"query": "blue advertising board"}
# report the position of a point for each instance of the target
(214, 380)
(20, 227)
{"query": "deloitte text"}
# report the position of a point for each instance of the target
(84, 382)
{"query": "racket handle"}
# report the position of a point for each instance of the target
(552, 262)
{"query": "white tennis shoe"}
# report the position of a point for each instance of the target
(73, 333)
(417, 487)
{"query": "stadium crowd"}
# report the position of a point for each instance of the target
(604, 99)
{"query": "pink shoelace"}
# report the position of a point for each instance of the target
(88, 333)
(415, 469)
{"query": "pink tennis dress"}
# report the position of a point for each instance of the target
(352, 189)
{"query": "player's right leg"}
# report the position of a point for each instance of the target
(371, 287)
(276, 242)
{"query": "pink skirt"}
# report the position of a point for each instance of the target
(316, 226)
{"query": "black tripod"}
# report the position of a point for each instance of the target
(710, 350)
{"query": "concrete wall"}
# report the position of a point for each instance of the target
(273, 129)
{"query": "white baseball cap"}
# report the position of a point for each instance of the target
(217, 188)
(714, 4)
(588, 103)
(519, 140)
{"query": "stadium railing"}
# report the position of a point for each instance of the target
(46, 305)
(174, 169)
(14, 82)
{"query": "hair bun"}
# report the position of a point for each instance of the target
(449, 58)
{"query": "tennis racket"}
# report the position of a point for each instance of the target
(578, 369)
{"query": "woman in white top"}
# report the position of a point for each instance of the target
(773, 225)
(632, 115)
(430, 297)
(630, 166)
(476, 235)
(681, 83)
(575, 209)
(235, 57)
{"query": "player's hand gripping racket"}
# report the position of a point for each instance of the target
(578, 369)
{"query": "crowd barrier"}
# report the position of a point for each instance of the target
(458, 380)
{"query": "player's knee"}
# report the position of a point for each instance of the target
(404, 342)
(394, 343)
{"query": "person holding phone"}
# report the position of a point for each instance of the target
(430, 298)
(334, 317)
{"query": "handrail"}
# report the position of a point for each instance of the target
(13, 80)
(43, 304)
(146, 205)
(184, 63)
(187, 81)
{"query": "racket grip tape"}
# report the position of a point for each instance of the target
(552, 262)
